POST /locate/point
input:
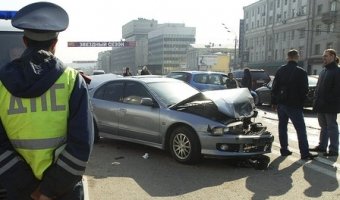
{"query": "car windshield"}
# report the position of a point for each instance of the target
(171, 93)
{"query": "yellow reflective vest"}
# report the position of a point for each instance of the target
(37, 126)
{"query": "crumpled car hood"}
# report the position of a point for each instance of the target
(235, 103)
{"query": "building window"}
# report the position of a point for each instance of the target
(301, 52)
(276, 37)
(317, 49)
(284, 36)
(278, 3)
(317, 30)
(275, 56)
(292, 34)
(270, 19)
(278, 17)
(319, 9)
(263, 40)
(333, 5)
(302, 33)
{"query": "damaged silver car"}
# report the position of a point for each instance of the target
(169, 114)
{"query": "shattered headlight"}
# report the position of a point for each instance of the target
(217, 131)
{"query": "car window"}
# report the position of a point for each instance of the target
(134, 92)
(11, 46)
(112, 91)
(201, 78)
(224, 79)
(215, 79)
(256, 75)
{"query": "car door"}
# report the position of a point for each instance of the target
(105, 103)
(265, 93)
(137, 121)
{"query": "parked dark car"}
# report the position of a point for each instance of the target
(202, 80)
(264, 92)
(259, 77)
(169, 114)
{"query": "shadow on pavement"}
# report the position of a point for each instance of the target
(159, 175)
(279, 183)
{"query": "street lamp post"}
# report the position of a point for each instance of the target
(235, 47)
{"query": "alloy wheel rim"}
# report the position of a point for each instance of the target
(182, 146)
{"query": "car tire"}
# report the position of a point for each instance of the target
(184, 145)
(96, 138)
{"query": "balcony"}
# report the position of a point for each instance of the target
(329, 17)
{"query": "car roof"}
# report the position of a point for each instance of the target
(101, 78)
(5, 25)
(199, 72)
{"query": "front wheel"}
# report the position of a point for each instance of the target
(184, 145)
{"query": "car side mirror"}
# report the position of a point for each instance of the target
(146, 102)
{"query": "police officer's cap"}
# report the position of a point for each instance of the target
(41, 21)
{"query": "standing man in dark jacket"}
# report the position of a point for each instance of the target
(289, 92)
(46, 127)
(327, 104)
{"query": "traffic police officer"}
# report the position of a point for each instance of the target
(46, 127)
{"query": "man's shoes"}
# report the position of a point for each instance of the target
(285, 152)
(317, 149)
(310, 156)
(331, 153)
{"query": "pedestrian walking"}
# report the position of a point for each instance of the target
(127, 72)
(46, 127)
(247, 79)
(289, 90)
(327, 104)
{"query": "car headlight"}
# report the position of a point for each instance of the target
(217, 131)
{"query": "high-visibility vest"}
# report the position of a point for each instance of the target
(37, 126)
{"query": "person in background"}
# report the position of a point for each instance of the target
(46, 127)
(327, 104)
(289, 91)
(127, 72)
(231, 82)
(145, 71)
(247, 79)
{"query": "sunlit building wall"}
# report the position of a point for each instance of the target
(273, 27)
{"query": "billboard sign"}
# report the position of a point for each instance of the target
(102, 44)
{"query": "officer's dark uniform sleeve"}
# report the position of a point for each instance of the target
(303, 86)
(15, 174)
(70, 165)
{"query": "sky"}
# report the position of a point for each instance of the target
(102, 20)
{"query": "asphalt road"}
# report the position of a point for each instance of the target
(118, 170)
